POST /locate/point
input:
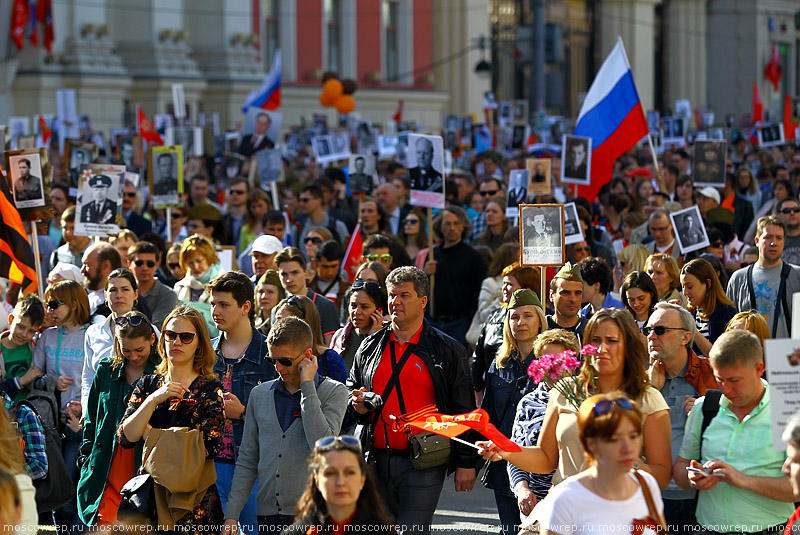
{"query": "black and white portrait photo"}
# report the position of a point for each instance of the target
(517, 191)
(166, 172)
(78, 156)
(689, 229)
(367, 140)
(361, 171)
(576, 156)
(401, 148)
(519, 134)
(26, 177)
(232, 164)
(452, 122)
(387, 146)
(270, 166)
(573, 233)
(504, 113)
(542, 234)
(654, 122)
(425, 170)
(340, 145)
(466, 131)
(99, 200)
(451, 140)
(323, 150)
(770, 135)
(129, 152)
(539, 169)
(673, 130)
(708, 167)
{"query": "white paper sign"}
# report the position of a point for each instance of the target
(783, 374)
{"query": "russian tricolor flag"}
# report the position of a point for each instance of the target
(612, 116)
(268, 96)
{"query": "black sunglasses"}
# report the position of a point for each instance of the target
(173, 265)
(660, 330)
(315, 240)
(135, 321)
(328, 443)
(602, 407)
(186, 338)
(54, 304)
(283, 361)
(492, 192)
(409, 221)
(358, 284)
(130, 194)
(795, 210)
(140, 263)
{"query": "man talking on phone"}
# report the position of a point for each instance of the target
(732, 461)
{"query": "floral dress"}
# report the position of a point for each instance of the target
(201, 408)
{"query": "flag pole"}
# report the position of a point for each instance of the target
(37, 261)
(169, 224)
(470, 444)
(430, 254)
(659, 176)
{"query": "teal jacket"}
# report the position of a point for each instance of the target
(108, 399)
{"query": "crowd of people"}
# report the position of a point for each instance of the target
(261, 390)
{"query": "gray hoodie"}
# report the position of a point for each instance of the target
(61, 352)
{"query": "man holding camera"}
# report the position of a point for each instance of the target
(404, 367)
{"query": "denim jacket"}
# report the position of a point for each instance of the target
(249, 371)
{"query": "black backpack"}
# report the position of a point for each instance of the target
(56, 488)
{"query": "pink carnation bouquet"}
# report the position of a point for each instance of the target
(558, 371)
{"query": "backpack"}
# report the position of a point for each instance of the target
(56, 488)
(42, 398)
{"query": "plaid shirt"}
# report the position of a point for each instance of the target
(32, 432)
(478, 225)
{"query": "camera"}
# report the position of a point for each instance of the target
(372, 401)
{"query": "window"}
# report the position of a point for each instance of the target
(333, 17)
(271, 29)
(391, 21)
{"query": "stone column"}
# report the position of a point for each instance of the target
(634, 21)
(685, 56)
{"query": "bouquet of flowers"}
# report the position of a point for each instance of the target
(558, 371)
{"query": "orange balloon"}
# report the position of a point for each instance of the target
(325, 100)
(333, 88)
(345, 104)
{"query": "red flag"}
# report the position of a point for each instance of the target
(146, 128)
(17, 262)
(44, 130)
(773, 71)
(758, 106)
(788, 125)
(19, 17)
(44, 14)
(352, 257)
(398, 115)
(452, 425)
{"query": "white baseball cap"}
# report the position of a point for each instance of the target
(267, 244)
(711, 193)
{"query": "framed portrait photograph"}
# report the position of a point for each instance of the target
(519, 136)
(323, 149)
(188, 137)
(232, 165)
(504, 113)
(340, 145)
(452, 141)
(517, 191)
(367, 139)
(519, 111)
(771, 135)
(576, 155)
(708, 164)
(195, 165)
(130, 152)
(653, 121)
(360, 173)
(76, 154)
(426, 170)
(387, 147)
(166, 175)
(118, 131)
(674, 133)
(541, 234)
(452, 122)
(401, 148)
(573, 233)
(539, 182)
(689, 229)
(262, 122)
(270, 167)
(25, 171)
(466, 131)
(26, 142)
(99, 203)
(232, 140)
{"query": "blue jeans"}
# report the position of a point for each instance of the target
(410, 494)
(680, 516)
(248, 518)
(508, 510)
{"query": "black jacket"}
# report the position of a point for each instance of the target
(448, 363)
(489, 341)
(362, 522)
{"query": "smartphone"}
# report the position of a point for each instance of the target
(704, 471)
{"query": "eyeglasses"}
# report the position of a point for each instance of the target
(314, 239)
(135, 321)
(140, 263)
(304, 199)
(186, 338)
(298, 304)
(54, 304)
(284, 361)
(409, 221)
(173, 265)
(602, 407)
(358, 284)
(238, 191)
(130, 194)
(660, 330)
(382, 257)
(491, 192)
(795, 210)
(329, 443)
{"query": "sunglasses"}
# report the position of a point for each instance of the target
(315, 240)
(328, 443)
(173, 265)
(140, 263)
(298, 304)
(304, 199)
(382, 257)
(54, 304)
(795, 210)
(358, 284)
(130, 194)
(135, 321)
(492, 192)
(410, 221)
(286, 362)
(171, 336)
(660, 330)
(238, 191)
(602, 407)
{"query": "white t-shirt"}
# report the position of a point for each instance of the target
(571, 508)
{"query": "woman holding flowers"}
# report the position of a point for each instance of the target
(616, 360)
(506, 383)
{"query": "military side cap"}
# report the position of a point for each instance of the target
(100, 181)
(523, 297)
(569, 272)
(204, 211)
(270, 277)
